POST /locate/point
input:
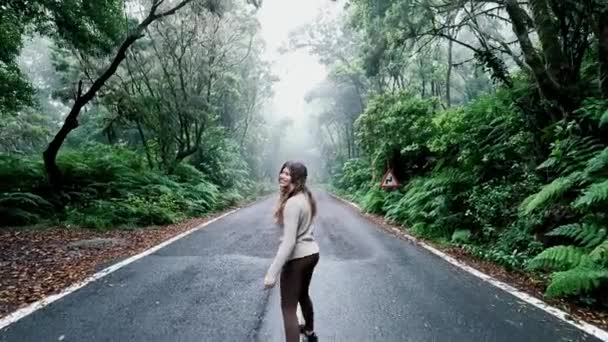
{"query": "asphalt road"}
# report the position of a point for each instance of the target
(368, 286)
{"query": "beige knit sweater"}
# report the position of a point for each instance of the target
(298, 234)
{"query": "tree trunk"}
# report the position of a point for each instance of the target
(50, 154)
(144, 142)
(423, 87)
(549, 86)
(448, 78)
(548, 36)
(347, 138)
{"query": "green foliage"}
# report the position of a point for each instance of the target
(433, 204)
(20, 174)
(532, 162)
(105, 187)
(514, 246)
(494, 65)
(604, 119)
(576, 281)
(600, 253)
(581, 191)
(221, 160)
(16, 91)
(570, 153)
(482, 185)
(594, 110)
(582, 269)
(93, 28)
(488, 136)
(491, 204)
(548, 195)
(395, 124)
(354, 176)
(559, 258)
(512, 260)
(461, 236)
(374, 200)
(24, 132)
(20, 208)
(587, 235)
(595, 195)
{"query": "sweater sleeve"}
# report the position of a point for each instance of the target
(291, 217)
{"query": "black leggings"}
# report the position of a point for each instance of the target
(295, 281)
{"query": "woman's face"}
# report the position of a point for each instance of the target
(284, 178)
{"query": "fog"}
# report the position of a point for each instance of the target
(298, 72)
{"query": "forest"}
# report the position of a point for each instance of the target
(142, 114)
(493, 116)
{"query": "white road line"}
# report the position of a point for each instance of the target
(19, 314)
(562, 315)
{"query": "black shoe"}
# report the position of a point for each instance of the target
(310, 338)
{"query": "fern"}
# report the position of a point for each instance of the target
(461, 236)
(604, 119)
(17, 216)
(24, 200)
(558, 257)
(373, 201)
(600, 253)
(580, 153)
(592, 109)
(570, 154)
(576, 281)
(595, 195)
(596, 163)
(428, 203)
(587, 235)
(108, 186)
(548, 195)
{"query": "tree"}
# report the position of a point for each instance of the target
(83, 97)
(188, 76)
(564, 30)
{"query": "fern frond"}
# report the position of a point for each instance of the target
(597, 163)
(24, 200)
(588, 235)
(549, 194)
(576, 281)
(558, 257)
(547, 164)
(603, 119)
(580, 152)
(596, 194)
(600, 253)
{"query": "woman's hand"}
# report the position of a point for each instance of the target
(269, 282)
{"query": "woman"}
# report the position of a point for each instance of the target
(298, 253)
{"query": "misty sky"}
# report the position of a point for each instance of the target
(299, 71)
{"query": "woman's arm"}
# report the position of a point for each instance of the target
(291, 217)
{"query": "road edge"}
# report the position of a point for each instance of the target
(556, 312)
(18, 314)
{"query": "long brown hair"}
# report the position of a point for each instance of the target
(298, 175)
